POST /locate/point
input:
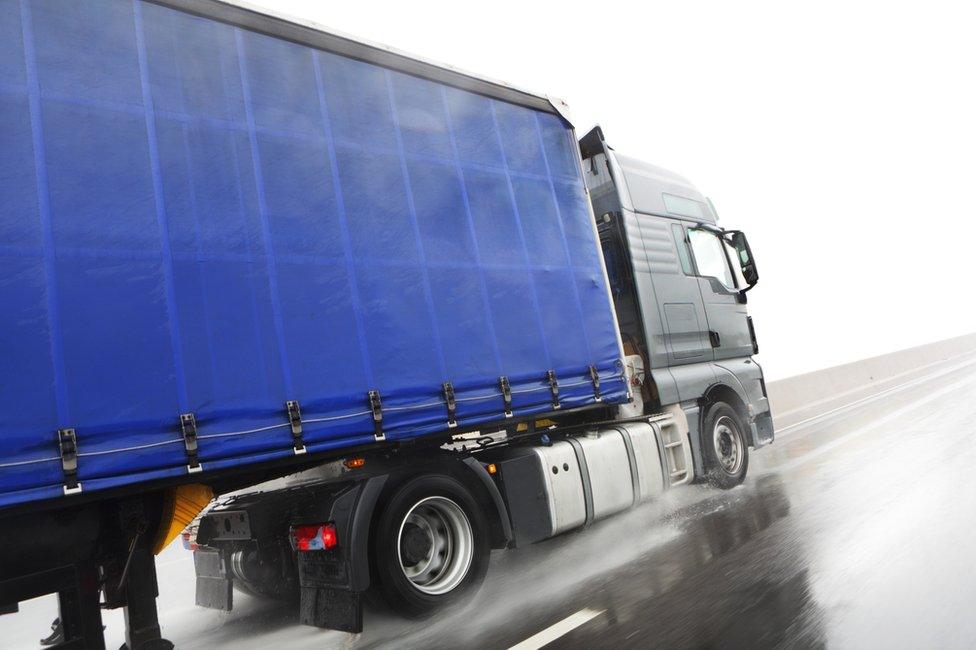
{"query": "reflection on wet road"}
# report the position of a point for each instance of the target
(852, 530)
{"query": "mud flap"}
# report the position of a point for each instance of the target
(215, 590)
(762, 429)
(335, 609)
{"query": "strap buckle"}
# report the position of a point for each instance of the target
(294, 411)
(553, 388)
(506, 395)
(595, 378)
(188, 425)
(376, 407)
(451, 404)
(68, 444)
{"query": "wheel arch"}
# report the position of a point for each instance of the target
(722, 392)
(471, 473)
(427, 477)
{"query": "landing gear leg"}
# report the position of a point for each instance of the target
(141, 619)
(79, 609)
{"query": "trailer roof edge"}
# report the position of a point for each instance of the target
(265, 21)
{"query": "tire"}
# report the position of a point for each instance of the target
(430, 546)
(724, 446)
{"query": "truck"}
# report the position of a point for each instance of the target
(395, 313)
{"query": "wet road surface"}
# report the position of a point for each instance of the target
(855, 529)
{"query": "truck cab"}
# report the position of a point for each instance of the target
(679, 284)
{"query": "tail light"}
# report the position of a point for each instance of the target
(314, 537)
(189, 541)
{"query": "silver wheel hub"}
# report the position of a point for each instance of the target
(435, 545)
(728, 444)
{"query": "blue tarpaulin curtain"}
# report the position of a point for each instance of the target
(195, 218)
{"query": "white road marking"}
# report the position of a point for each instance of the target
(557, 630)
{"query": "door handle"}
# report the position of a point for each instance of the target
(715, 339)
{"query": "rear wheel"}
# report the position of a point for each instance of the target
(725, 447)
(430, 546)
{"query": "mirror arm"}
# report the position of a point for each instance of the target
(715, 230)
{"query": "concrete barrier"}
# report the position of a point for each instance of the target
(795, 398)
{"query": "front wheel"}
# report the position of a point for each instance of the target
(430, 546)
(725, 447)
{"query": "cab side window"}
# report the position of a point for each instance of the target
(710, 257)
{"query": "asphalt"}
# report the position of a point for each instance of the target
(854, 529)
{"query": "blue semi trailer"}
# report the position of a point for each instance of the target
(238, 250)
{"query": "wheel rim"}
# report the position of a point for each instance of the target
(435, 545)
(727, 441)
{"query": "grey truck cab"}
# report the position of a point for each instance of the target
(679, 284)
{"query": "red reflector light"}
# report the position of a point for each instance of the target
(314, 537)
(189, 543)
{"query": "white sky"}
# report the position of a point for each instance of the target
(841, 136)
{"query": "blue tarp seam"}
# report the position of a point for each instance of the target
(159, 206)
(269, 250)
(355, 302)
(473, 233)
(44, 212)
(562, 230)
(533, 290)
(418, 238)
(235, 127)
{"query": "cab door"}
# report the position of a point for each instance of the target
(680, 299)
(721, 290)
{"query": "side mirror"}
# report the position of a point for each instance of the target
(737, 239)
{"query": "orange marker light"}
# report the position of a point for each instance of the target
(491, 468)
(354, 463)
